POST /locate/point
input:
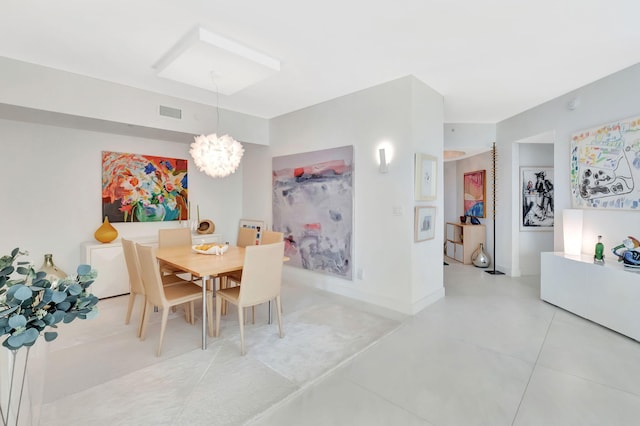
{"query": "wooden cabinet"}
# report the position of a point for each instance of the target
(108, 260)
(462, 240)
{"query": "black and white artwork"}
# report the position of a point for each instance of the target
(536, 199)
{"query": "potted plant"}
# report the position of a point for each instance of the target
(31, 306)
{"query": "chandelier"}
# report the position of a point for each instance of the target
(217, 156)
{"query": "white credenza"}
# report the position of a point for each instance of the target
(607, 294)
(108, 260)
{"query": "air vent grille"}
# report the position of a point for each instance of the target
(166, 111)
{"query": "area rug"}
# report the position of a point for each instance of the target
(220, 386)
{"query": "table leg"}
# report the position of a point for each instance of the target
(205, 281)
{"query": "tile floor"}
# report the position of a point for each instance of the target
(489, 353)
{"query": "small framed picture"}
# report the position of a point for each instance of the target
(425, 223)
(426, 172)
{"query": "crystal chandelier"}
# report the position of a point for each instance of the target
(217, 156)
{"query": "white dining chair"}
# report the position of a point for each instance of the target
(135, 283)
(268, 237)
(173, 237)
(164, 297)
(260, 283)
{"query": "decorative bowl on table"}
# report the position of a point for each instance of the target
(210, 248)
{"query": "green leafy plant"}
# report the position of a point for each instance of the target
(29, 302)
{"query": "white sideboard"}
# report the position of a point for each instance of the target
(108, 260)
(607, 294)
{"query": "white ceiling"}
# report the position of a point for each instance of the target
(490, 59)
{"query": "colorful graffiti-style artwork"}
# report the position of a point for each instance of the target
(605, 166)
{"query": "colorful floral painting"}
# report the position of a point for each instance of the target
(143, 188)
(313, 207)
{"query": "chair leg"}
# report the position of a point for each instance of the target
(143, 315)
(218, 308)
(165, 317)
(223, 284)
(279, 314)
(241, 321)
(145, 320)
(253, 315)
(132, 299)
(192, 313)
(210, 313)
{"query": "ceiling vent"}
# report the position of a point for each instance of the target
(166, 111)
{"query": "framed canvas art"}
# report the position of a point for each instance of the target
(475, 193)
(605, 166)
(143, 188)
(426, 172)
(425, 223)
(536, 199)
(313, 207)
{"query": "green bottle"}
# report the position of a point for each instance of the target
(599, 256)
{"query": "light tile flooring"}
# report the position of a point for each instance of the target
(489, 353)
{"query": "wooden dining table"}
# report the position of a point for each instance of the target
(205, 266)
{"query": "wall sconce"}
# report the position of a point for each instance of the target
(382, 156)
(572, 231)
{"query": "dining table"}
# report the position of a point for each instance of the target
(205, 266)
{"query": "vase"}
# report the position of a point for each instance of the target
(480, 257)
(106, 232)
(53, 272)
(22, 388)
(150, 213)
(206, 226)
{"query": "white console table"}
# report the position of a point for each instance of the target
(607, 294)
(108, 260)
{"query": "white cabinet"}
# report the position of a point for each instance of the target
(606, 294)
(108, 260)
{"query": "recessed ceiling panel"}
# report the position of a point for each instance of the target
(212, 62)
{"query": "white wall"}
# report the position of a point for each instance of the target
(47, 89)
(450, 196)
(52, 197)
(397, 272)
(470, 138)
(613, 97)
(532, 243)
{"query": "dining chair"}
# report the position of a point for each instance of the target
(261, 282)
(246, 237)
(164, 297)
(268, 237)
(173, 237)
(135, 283)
